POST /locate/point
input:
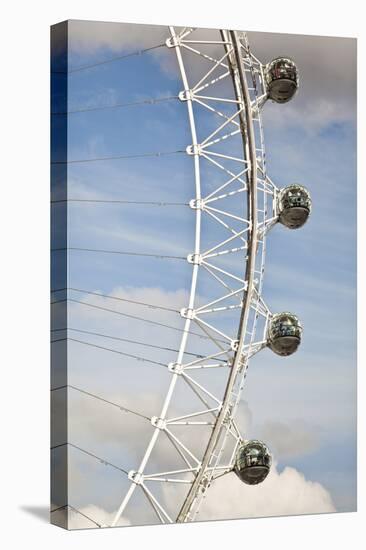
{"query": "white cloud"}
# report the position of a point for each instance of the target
(282, 493)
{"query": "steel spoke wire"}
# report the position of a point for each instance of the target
(122, 408)
(116, 201)
(134, 317)
(92, 455)
(73, 509)
(137, 357)
(127, 300)
(119, 157)
(127, 340)
(121, 252)
(151, 101)
(106, 61)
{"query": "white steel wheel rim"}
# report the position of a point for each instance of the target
(247, 77)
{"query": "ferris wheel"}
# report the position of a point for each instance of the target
(224, 95)
(225, 320)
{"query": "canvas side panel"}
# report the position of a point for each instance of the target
(59, 270)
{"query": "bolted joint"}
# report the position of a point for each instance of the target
(135, 477)
(195, 259)
(173, 41)
(186, 95)
(158, 422)
(234, 344)
(194, 149)
(176, 368)
(187, 313)
(196, 204)
(205, 483)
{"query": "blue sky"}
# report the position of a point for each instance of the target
(312, 271)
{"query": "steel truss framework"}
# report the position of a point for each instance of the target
(234, 116)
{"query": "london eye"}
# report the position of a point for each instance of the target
(224, 88)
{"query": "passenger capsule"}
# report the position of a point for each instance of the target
(282, 79)
(294, 206)
(253, 462)
(284, 333)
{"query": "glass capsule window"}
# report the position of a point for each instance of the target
(253, 453)
(282, 68)
(285, 324)
(295, 196)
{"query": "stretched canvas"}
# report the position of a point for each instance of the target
(203, 252)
